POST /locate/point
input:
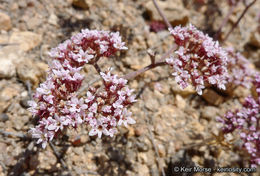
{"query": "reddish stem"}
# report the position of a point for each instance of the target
(97, 68)
(239, 19)
(161, 14)
(152, 65)
(225, 20)
(142, 70)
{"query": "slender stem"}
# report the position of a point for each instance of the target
(152, 65)
(239, 19)
(94, 62)
(162, 15)
(154, 145)
(152, 56)
(56, 153)
(29, 88)
(142, 70)
(19, 135)
(23, 158)
(6, 44)
(225, 20)
(97, 67)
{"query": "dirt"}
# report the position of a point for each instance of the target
(173, 127)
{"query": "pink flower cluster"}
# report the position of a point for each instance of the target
(84, 46)
(240, 71)
(56, 101)
(198, 60)
(108, 108)
(247, 122)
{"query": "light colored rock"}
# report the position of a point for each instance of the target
(161, 150)
(131, 131)
(168, 112)
(241, 92)
(209, 112)
(5, 22)
(170, 148)
(197, 127)
(33, 22)
(84, 138)
(53, 19)
(178, 90)
(1, 171)
(142, 157)
(140, 129)
(10, 56)
(142, 170)
(129, 173)
(197, 159)
(172, 9)
(7, 69)
(4, 39)
(9, 92)
(26, 40)
(180, 102)
(152, 39)
(12, 52)
(31, 71)
(151, 104)
(47, 160)
(137, 63)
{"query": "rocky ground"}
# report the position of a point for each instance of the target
(174, 127)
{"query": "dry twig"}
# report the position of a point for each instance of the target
(58, 156)
(162, 15)
(224, 22)
(151, 66)
(239, 19)
(18, 168)
(12, 134)
(154, 145)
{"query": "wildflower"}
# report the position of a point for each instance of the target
(56, 101)
(110, 111)
(198, 60)
(246, 121)
(239, 68)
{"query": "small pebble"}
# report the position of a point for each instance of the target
(4, 117)
(142, 146)
(24, 102)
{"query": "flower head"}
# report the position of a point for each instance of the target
(198, 60)
(239, 68)
(56, 101)
(110, 106)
